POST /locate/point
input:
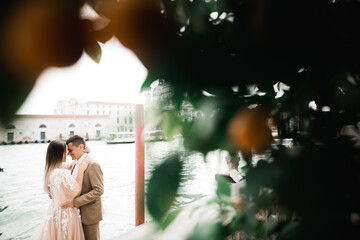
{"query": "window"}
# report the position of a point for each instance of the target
(103, 112)
(125, 120)
(117, 120)
(71, 133)
(98, 125)
(130, 120)
(98, 133)
(42, 135)
(71, 125)
(42, 126)
(10, 136)
(87, 112)
(97, 112)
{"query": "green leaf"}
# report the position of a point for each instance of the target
(223, 187)
(208, 231)
(162, 187)
(170, 217)
(148, 81)
(93, 50)
(172, 124)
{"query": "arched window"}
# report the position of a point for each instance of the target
(98, 125)
(71, 125)
(10, 126)
(42, 126)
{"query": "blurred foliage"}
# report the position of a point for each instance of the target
(250, 66)
(163, 186)
(211, 231)
(170, 217)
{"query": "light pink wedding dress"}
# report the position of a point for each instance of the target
(62, 223)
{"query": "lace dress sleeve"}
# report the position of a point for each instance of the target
(64, 187)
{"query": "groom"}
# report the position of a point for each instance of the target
(89, 200)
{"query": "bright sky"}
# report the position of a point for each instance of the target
(117, 78)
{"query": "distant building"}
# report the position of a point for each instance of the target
(43, 128)
(121, 114)
(91, 120)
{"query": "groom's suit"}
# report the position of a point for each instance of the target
(89, 200)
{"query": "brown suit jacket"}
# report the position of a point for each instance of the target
(89, 200)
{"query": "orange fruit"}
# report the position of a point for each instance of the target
(248, 132)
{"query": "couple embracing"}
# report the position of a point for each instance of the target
(75, 191)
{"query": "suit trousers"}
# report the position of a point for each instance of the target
(92, 231)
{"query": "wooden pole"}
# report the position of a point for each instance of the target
(139, 165)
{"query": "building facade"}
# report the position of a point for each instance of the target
(121, 114)
(91, 120)
(44, 128)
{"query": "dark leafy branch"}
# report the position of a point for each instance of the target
(293, 64)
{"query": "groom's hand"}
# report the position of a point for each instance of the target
(68, 204)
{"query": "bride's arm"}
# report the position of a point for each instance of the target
(79, 181)
(80, 175)
(69, 165)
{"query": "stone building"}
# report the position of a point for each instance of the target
(43, 128)
(92, 120)
(121, 114)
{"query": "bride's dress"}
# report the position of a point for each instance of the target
(62, 223)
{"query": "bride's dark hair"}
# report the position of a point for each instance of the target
(54, 155)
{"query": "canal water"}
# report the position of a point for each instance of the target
(25, 203)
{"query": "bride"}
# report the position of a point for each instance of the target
(61, 223)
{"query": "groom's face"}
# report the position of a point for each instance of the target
(75, 152)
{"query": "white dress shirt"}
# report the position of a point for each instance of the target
(76, 167)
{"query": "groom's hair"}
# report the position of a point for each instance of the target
(76, 140)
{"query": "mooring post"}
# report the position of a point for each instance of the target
(139, 165)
